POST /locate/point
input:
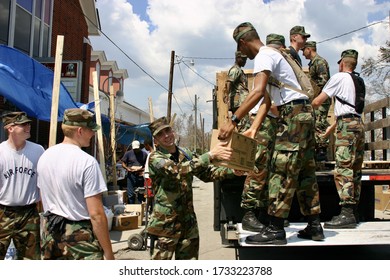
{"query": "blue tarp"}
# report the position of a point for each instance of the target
(28, 85)
(126, 134)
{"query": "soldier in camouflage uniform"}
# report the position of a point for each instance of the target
(19, 195)
(173, 227)
(292, 167)
(72, 185)
(236, 88)
(255, 193)
(319, 73)
(349, 140)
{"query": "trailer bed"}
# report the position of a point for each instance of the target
(366, 233)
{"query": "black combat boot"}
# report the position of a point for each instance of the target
(313, 230)
(251, 223)
(346, 219)
(273, 234)
(263, 216)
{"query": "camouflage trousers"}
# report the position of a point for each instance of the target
(292, 167)
(77, 242)
(349, 159)
(163, 248)
(21, 225)
(255, 192)
(321, 124)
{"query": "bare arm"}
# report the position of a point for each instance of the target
(319, 100)
(99, 224)
(260, 116)
(330, 129)
(250, 101)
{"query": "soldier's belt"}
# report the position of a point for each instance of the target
(348, 116)
(18, 208)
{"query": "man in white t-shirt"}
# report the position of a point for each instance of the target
(19, 195)
(349, 139)
(72, 185)
(292, 164)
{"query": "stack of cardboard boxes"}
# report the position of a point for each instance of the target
(126, 216)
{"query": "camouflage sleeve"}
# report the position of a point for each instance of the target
(161, 165)
(320, 72)
(233, 74)
(213, 173)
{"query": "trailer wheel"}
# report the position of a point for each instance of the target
(135, 242)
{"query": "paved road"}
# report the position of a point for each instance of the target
(210, 241)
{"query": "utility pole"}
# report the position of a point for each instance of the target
(170, 86)
(202, 128)
(196, 123)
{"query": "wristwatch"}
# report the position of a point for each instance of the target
(235, 119)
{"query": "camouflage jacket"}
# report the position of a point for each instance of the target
(238, 88)
(319, 71)
(173, 212)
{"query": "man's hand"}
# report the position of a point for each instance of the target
(251, 133)
(226, 130)
(222, 152)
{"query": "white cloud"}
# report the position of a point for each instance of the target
(203, 28)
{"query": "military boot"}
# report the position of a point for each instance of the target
(273, 234)
(313, 230)
(251, 223)
(346, 219)
(263, 216)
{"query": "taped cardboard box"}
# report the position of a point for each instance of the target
(244, 151)
(124, 222)
(137, 209)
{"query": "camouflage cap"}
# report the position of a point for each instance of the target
(240, 54)
(299, 30)
(349, 53)
(242, 29)
(275, 39)
(310, 44)
(80, 117)
(158, 125)
(15, 118)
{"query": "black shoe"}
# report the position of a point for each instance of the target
(346, 219)
(313, 231)
(263, 216)
(271, 235)
(251, 223)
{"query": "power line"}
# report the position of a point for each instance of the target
(350, 32)
(119, 48)
(198, 74)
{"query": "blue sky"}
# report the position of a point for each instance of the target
(202, 30)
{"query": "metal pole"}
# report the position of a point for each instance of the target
(170, 86)
(113, 143)
(196, 124)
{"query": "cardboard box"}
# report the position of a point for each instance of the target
(382, 199)
(112, 198)
(124, 222)
(244, 151)
(136, 209)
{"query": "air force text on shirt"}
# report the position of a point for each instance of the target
(19, 170)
